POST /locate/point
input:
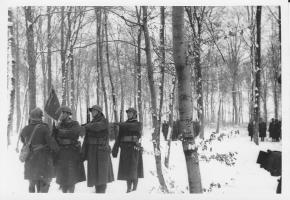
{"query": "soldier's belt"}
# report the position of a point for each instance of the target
(65, 141)
(38, 147)
(129, 139)
(94, 140)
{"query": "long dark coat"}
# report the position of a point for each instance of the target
(131, 161)
(272, 129)
(39, 164)
(262, 129)
(69, 166)
(96, 151)
(251, 129)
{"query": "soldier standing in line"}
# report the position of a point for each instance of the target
(68, 163)
(131, 163)
(272, 129)
(251, 129)
(38, 167)
(96, 151)
(262, 129)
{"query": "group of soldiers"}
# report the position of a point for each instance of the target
(58, 152)
(274, 129)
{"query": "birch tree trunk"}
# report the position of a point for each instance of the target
(139, 68)
(171, 110)
(11, 74)
(162, 64)
(185, 101)
(258, 75)
(99, 19)
(156, 133)
(48, 58)
(62, 56)
(31, 57)
(17, 72)
(109, 70)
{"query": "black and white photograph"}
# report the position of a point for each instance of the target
(144, 99)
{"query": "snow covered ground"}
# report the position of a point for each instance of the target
(243, 177)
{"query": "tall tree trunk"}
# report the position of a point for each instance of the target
(11, 75)
(99, 16)
(258, 75)
(156, 133)
(162, 64)
(17, 79)
(122, 84)
(43, 67)
(139, 70)
(62, 56)
(185, 101)
(265, 92)
(31, 57)
(48, 59)
(171, 110)
(109, 70)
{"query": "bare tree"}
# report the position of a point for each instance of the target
(185, 101)
(31, 57)
(258, 75)
(156, 132)
(11, 74)
(109, 69)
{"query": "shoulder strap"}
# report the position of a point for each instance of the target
(33, 132)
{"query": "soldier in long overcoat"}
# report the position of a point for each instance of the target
(38, 168)
(262, 129)
(131, 162)
(272, 129)
(68, 163)
(251, 129)
(97, 152)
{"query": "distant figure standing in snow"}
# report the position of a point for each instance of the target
(262, 129)
(131, 162)
(97, 152)
(38, 168)
(69, 167)
(272, 129)
(251, 129)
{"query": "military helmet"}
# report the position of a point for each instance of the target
(96, 107)
(131, 110)
(36, 114)
(64, 109)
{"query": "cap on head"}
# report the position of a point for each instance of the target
(96, 107)
(64, 109)
(131, 110)
(36, 114)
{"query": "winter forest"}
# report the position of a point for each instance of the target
(197, 77)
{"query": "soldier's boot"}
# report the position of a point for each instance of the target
(135, 183)
(129, 185)
(31, 186)
(101, 188)
(71, 188)
(44, 186)
(64, 188)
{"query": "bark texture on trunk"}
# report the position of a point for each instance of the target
(185, 101)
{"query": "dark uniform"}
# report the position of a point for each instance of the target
(68, 163)
(38, 168)
(251, 129)
(272, 129)
(262, 129)
(96, 151)
(131, 162)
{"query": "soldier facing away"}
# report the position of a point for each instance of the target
(131, 163)
(38, 167)
(68, 163)
(96, 151)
